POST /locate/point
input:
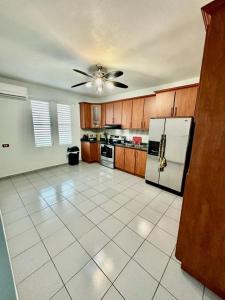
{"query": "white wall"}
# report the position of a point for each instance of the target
(16, 129)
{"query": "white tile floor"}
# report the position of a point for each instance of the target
(89, 232)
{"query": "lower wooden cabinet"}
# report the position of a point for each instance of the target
(140, 162)
(130, 160)
(90, 152)
(119, 157)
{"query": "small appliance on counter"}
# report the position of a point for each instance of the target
(89, 138)
(169, 150)
(137, 140)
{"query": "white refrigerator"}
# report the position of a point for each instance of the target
(169, 149)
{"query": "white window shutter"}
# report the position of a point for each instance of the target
(41, 123)
(64, 124)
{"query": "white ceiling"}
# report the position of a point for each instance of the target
(152, 41)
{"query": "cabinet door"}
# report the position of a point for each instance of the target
(140, 162)
(109, 113)
(149, 111)
(94, 152)
(126, 114)
(85, 115)
(165, 104)
(95, 115)
(119, 157)
(137, 113)
(103, 115)
(185, 100)
(129, 161)
(117, 112)
(85, 151)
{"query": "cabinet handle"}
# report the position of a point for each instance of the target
(175, 111)
(171, 111)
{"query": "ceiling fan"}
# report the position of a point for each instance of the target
(100, 79)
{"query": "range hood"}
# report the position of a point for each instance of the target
(112, 126)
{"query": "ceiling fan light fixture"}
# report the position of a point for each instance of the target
(109, 85)
(89, 84)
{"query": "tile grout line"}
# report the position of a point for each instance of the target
(110, 214)
(46, 250)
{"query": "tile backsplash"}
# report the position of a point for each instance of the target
(121, 132)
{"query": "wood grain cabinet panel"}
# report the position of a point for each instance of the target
(164, 104)
(85, 115)
(117, 112)
(119, 157)
(126, 114)
(149, 111)
(90, 152)
(103, 115)
(185, 101)
(137, 113)
(140, 162)
(201, 237)
(129, 160)
(109, 113)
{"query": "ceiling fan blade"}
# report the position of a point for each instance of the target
(75, 85)
(83, 73)
(113, 74)
(119, 84)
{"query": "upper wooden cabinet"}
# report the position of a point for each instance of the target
(185, 101)
(95, 115)
(149, 111)
(126, 114)
(113, 112)
(137, 113)
(164, 104)
(109, 113)
(85, 115)
(117, 112)
(103, 115)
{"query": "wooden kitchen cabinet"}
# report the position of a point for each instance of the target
(109, 113)
(126, 114)
(149, 111)
(129, 160)
(201, 237)
(95, 115)
(185, 101)
(119, 157)
(140, 162)
(85, 115)
(103, 115)
(137, 113)
(117, 112)
(90, 152)
(164, 104)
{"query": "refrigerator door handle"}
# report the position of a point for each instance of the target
(162, 159)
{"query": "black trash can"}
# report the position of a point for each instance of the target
(73, 155)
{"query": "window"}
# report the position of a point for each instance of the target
(64, 124)
(41, 123)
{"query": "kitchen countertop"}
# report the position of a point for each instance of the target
(141, 148)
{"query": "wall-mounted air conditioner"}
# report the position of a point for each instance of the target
(13, 91)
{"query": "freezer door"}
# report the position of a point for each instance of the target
(177, 131)
(156, 129)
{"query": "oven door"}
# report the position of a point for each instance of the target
(107, 153)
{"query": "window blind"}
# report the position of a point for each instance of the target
(64, 124)
(41, 123)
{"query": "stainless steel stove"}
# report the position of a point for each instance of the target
(107, 155)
